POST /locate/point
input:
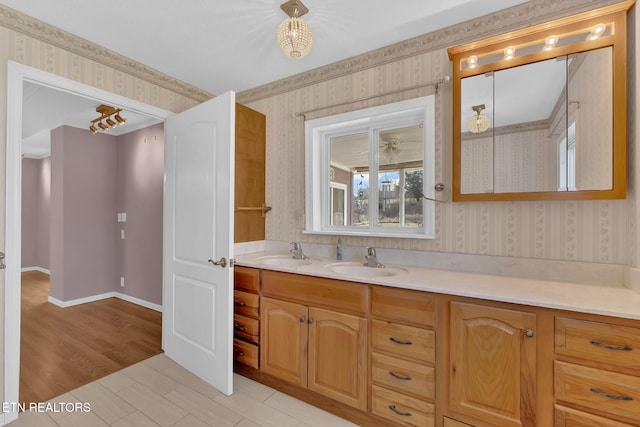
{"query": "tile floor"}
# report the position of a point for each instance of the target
(159, 392)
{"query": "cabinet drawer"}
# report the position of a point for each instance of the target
(246, 304)
(404, 376)
(321, 292)
(401, 408)
(567, 417)
(246, 278)
(405, 341)
(403, 304)
(246, 353)
(599, 342)
(246, 328)
(614, 393)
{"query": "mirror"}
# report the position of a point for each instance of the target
(367, 171)
(543, 117)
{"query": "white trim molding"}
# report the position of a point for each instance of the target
(40, 269)
(17, 74)
(85, 300)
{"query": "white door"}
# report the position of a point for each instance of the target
(198, 227)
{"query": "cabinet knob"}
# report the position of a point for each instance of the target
(529, 333)
(302, 319)
(310, 320)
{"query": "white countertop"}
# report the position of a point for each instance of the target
(610, 301)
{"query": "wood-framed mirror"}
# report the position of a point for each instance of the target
(540, 113)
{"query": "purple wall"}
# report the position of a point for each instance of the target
(140, 191)
(69, 210)
(36, 194)
(83, 213)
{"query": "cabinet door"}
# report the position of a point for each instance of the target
(493, 363)
(283, 331)
(338, 356)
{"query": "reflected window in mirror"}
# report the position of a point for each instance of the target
(368, 170)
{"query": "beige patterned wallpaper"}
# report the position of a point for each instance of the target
(589, 231)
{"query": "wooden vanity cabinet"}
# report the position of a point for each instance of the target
(311, 339)
(246, 316)
(492, 364)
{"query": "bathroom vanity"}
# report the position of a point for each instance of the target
(422, 347)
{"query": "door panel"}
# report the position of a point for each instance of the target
(493, 364)
(198, 226)
(283, 332)
(337, 356)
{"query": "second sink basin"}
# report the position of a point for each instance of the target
(358, 270)
(282, 260)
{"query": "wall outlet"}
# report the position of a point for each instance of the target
(122, 282)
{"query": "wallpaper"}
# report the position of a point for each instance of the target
(588, 231)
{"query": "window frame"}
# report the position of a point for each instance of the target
(317, 164)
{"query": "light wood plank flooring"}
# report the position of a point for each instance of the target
(64, 348)
(159, 392)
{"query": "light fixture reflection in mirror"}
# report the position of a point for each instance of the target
(480, 122)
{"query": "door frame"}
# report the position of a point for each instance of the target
(17, 74)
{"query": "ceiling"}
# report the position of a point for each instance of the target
(231, 45)
(45, 109)
(220, 46)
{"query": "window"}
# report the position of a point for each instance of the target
(367, 171)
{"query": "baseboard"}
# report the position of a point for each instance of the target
(40, 269)
(139, 301)
(93, 298)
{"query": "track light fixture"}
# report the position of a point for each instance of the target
(105, 114)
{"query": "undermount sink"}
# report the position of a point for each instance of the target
(359, 270)
(282, 261)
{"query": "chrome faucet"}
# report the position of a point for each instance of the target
(371, 259)
(297, 251)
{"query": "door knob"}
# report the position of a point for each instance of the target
(222, 263)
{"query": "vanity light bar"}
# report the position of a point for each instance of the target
(509, 52)
(551, 42)
(597, 31)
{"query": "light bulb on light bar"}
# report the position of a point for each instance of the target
(509, 52)
(597, 31)
(472, 61)
(550, 42)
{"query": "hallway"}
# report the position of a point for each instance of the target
(65, 348)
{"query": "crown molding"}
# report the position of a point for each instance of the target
(25, 24)
(531, 12)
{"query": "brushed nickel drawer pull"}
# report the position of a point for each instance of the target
(399, 377)
(302, 319)
(402, 414)
(612, 347)
(610, 396)
(397, 341)
(240, 303)
(239, 353)
(239, 328)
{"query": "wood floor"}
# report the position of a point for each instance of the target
(64, 348)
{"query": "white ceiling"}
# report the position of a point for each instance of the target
(224, 45)
(45, 109)
(231, 45)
